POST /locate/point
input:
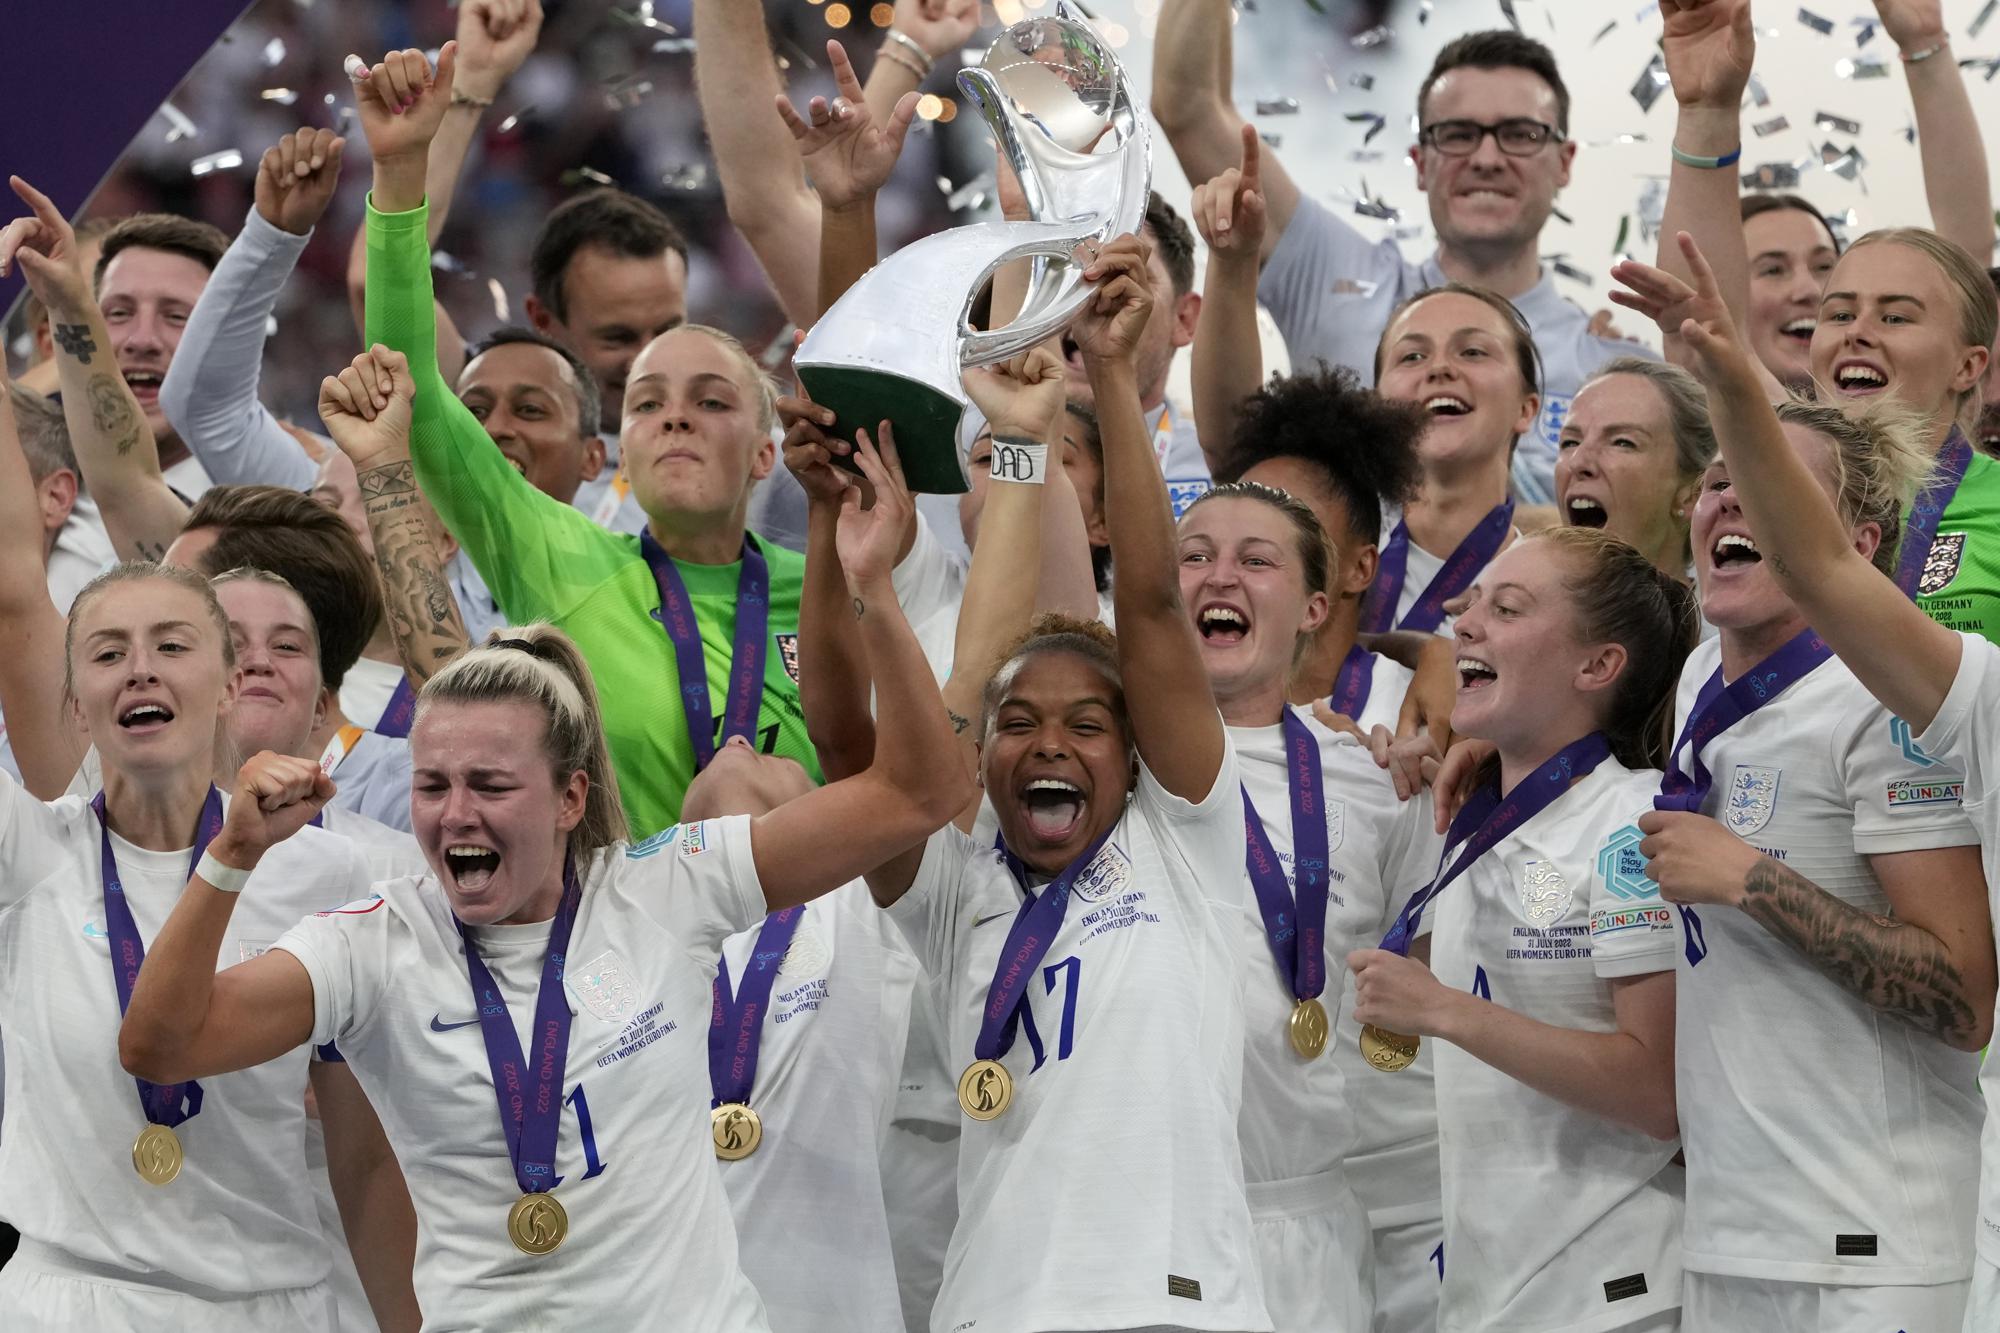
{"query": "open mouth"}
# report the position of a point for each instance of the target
(145, 717)
(1583, 512)
(1447, 405)
(1799, 330)
(472, 867)
(1859, 377)
(1733, 548)
(1222, 624)
(1054, 808)
(144, 383)
(1474, 674)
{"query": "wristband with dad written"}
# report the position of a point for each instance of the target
(1018, 459)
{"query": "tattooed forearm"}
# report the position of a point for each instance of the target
(113, 412)
(959, 722)
(1890, 965)
(859, 609)
(153, 551)
(75, 339)
(422, 612)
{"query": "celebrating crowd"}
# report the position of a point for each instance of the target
(1487, 833)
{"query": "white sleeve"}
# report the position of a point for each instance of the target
(929, 585)
(33, 841)
(935, 909)
(1903, 799)
(345, 952)
(1321, 262)
(210, 391)
(1962, 731)
(1410, 856)
(1207, 837)
(698, 881)
(1631, 927)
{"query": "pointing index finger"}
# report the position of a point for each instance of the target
(1253, 153)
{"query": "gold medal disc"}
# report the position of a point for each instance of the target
(1390, 1052)
(985, 1089)
(736, 1129)
(537, 1223)
(1308, 1028)
(157, 1155)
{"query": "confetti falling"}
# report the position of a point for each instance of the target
(1985, 13)
(691, 176)
(282, 96)
(1277, 106)
(1824, 27)
(1759, 97)
(1365, 82)
(580, 175)
(274, 53)
(1507, 12)
(972, 194)
(507, 126)
(1826, 120)
(1868, 67)
(226, 160)
(1652, 80)
(1372, 119)
(179, 127)
(499, 295)
(1765, 128)
(1371, 38)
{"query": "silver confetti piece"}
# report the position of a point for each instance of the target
(1824, 27)
(1561, 216)
(1604, 32)
(1985, 13)
(274, 53)
(1507, 11)
(971, 194)
(1424, 8)
(1274, 140)
(1826, 120)
(1368, 206)
(692, 176)
(779, 347)
(1277, 106)
(1868, 67)
(1866, 33)
(1364, 157)
(1560, 263)
(1372, 119)
(1615, 140)
(179, 127)
(641, 16)
(1624, 230)
(591, 174)
(446, 262)
(499, 295)
(1758, 96)
(506, 126)
(344, 122)
(282, 96)
(1365, 82)
(1372, 38)
(674, 46)
(1651, 80)
(1764, 128)
(625, 93)
(1652, 207)
(226, 160)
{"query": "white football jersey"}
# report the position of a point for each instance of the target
(373, 779)
(1296, 1119)
(811, 1226)
(1418, 571)
(1784, 1181)
(649, 1226)
(930, 584)
(1109, 1194)
(1966, 732)
(1388, 683)
(1554, 1218)
(240, 1216)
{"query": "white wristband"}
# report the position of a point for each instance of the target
(226, 878)
(1019, 460)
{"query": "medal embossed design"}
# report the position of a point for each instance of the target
(537, 1224)
(1308, 1029)
(985, 1089)
(157, 1155)
(1390, 1052)
(736, 1129)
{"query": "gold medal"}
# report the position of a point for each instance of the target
(985, 1089)
(157, 1155)
(537, 1223)
(736, 1129)
(1308, 1029)
(1390, 1052)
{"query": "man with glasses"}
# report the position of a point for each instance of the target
(1493, 148)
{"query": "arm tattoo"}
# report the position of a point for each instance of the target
(113, 413)
(958, 722)
(422, 612)
(75, 339)
(153, 551)
(859, 609)
(1888, 964)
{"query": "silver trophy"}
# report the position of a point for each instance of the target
(893, 347)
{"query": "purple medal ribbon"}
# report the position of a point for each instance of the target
(1297, 932)
(400, 711)
(1035, 926)
(167, 1104)
(1717, 708)
(1352, 683)
(1473, 554)
(736, 1024)
(530, 1096)
(746, 664)
(1488, 817)
(1920, 529)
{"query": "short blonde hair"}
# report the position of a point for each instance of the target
(1881, 459)
(1978, 318)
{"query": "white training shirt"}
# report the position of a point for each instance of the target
(1827, 1141)
(930, 584)
(1297, 1119)
(1554, 1219)
(1114, 1180)
(649, 1228)
(373, 779)
(240, 1217)
(1418, 571)
(812, 1229)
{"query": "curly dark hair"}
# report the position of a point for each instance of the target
(1052, 632)
(1362, 445)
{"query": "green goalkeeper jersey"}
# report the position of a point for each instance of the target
(1960, 585)
(545, 560)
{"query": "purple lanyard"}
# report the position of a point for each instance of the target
(1427, 613)
(1920, 529)
(1299, 946)
(1717, 708)
(1352, 683)
(400, 711)
(1488, 817)
(166, 1104)
(746, 664)
(736, 1024)
(530, 1096)
(1035, 926)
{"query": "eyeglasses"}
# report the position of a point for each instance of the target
(1517, 138)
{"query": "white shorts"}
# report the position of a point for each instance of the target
(46, 1291)
(1407, 1278)
(1314, 1254)
(1714, 1304)
(1982, 1308)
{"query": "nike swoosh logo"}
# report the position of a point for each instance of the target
(436, 1026)
(93, 931)
(984, 919)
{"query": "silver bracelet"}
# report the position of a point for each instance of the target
(895, 57)
(910, 44)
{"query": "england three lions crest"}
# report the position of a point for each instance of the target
(1545, 894)
(1941, 564)
(604, 987)
(1753, 795)
(788, 654)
